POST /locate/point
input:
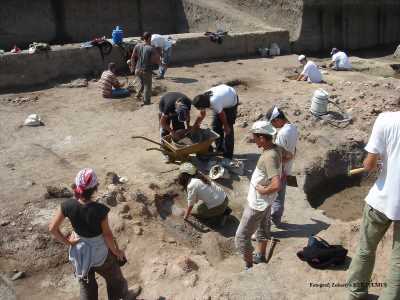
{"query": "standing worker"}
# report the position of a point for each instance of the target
(143, 57)
(264, 185)
(382, 208)
(224, 101)
(92, 246)
(286, 139)
(340, 61)
(174, 113)
(165, 45)
(310, 72)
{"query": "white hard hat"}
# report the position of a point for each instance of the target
(188, 168)
(302, 57)
(263, 127)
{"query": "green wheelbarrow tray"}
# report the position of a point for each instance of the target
(181, 152)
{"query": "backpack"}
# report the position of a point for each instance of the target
(320, 255)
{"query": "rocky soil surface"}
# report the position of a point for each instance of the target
(169, 258)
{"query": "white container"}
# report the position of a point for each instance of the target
(319, 103)
(274, 50)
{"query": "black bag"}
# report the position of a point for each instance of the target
(320, 255)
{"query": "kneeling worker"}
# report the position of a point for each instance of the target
(310, 73)
(340, 61)
(224, 101)
(109, 84)
(174, 113)
(198, 187)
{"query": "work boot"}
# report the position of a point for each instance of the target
(259, 258)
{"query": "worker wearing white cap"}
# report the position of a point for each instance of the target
(310, 72)
(286, 139)
(206, 199)
(264, 186)
(340, 60)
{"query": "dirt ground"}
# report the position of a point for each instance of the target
(168, 258)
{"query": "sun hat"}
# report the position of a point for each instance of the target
(188, 168)
(263, 127)
(301, 57)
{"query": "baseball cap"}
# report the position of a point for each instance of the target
(188, 168)
(275, 113)
(334, 50)
(182, 112)
(301, 57)
(263, 127)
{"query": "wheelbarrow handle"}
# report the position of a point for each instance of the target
(147, 139)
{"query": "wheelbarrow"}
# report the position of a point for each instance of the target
(179, 152)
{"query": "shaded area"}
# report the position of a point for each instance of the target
(288, 230)
(318, 194)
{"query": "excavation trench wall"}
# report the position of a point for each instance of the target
(317, 25)
(66, 21)
(314, 25)
(64, 62)
(328, 176)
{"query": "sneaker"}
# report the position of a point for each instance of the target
(258, 258)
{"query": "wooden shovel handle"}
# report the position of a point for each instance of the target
(356, 171)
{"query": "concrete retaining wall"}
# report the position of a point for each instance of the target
(64, 62)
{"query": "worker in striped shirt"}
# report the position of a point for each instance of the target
(109, 84)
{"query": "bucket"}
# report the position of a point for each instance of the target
(117, 35)
(319, 103)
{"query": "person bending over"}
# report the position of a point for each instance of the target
(224, 101)
(174, 113)
(205, 198)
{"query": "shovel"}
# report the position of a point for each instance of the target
(274, 241)
(356, 171)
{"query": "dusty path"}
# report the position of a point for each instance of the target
(82, 129)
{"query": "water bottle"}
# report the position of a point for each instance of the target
(117, 35)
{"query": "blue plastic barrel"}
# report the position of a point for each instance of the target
(117, 35)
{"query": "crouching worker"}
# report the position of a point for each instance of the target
(310, 72)
(205, 198)
(91, 246)
(174, 113)
(264, 185)
(109, 84)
